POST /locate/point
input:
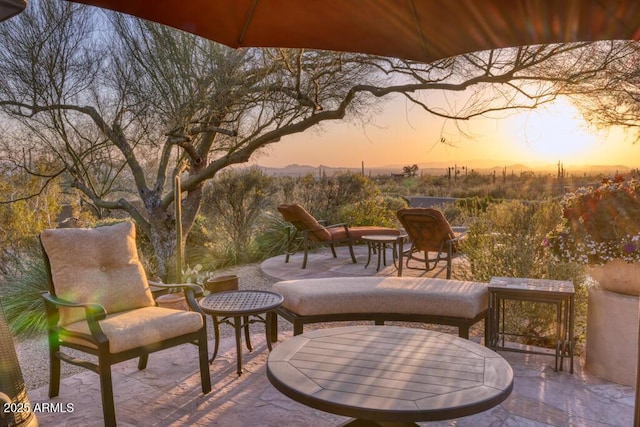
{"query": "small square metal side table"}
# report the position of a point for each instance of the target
(559, 293)
(236, 306)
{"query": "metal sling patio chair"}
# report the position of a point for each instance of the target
(99, 302)
(309, 232)
(428, 231)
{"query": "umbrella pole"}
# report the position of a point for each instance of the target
(177, 201)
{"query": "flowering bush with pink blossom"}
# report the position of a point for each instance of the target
(599, 224)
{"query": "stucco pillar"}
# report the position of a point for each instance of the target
(612, 336)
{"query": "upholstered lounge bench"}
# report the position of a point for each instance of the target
(380, 299)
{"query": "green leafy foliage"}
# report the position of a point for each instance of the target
(507, 240)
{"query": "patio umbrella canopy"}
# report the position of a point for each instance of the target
(10, 8)
(421, 30)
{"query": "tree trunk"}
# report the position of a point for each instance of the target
(162, 226)
(163, 239)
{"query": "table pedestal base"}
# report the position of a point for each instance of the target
(239, 323)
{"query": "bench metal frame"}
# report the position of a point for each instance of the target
(463, 324)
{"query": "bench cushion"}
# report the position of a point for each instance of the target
(405, 295)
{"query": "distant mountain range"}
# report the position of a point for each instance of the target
(440, 168)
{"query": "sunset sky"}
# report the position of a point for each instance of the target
(402, 134)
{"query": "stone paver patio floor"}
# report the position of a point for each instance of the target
(168, 392)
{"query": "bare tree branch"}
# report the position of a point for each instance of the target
(142, 103)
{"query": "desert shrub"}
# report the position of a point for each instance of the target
(232, 209)
(393, 204)
(215, 254)
(336, 193)
(473, 206)
(475, 179)
(342, 198)
(389, 185)
(348, 198)
(378, 210)
(25, 217)
(207, 245)
(507, 240)
(411, 184)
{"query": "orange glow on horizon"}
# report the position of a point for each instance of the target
(402, 134)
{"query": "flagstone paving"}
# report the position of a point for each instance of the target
(168, 393)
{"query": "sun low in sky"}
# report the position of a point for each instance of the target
(402, 134)
(554, 132)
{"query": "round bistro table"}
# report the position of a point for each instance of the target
(380, 243)
(234, 307)
(389, 375)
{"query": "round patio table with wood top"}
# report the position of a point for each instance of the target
(239, 306)
(389, 375)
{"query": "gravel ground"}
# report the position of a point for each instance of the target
(34, 355)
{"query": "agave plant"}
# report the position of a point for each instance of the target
(21, 299)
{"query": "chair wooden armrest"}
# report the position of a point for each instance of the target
(340, 224)
(190, 291)
(94, 313)
(185, 287)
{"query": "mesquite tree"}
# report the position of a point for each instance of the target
(119, 106)
(612, 97)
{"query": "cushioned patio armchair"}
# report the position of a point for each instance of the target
(99, 302)
(310, 232)
(428, 231)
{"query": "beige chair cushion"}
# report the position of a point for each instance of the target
(405, 295)
(98, 265)
(140, 327)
